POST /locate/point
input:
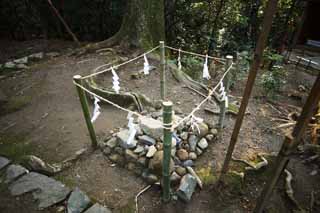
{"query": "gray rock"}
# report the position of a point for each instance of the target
(149, 178)
(44, 189)
(152, 150)
(3, 162)
(36, 56)
(204, 129)
(203, 144)
(193, 140)
(182, 154)
(97, 208)
(184, 135)
(173, 152)
(123, 136)
(130, 155)
(178, 111)
(23, 60)
(78, 201)
(113, 142)
(214, 132)
(156, 162)
(187, 186)
(156, 114)
(107, 151)
(151, 127)
(139, 149)
(116, 158)
(193, 156)
(14, 171)
(210, 137)
(181, 171)
(187, 163)
(131, 166)
(145, 139)
(175, 178)
(33, 163)
(119, 150)
(199, 151)
(142, 161)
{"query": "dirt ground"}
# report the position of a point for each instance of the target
(44, 118)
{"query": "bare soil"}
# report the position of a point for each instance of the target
(50, 124)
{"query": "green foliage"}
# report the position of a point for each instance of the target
(192, 66)
(272, 80)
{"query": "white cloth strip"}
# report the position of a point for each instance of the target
(205, 72)
(117, 66)
(146, 66)
(179, 60)
(96, 110)
(220, 60)
(115, 81)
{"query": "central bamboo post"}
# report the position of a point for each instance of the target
(226, 83)
(162, 71)
(167, 140)
(85, 109)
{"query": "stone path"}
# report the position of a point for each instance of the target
(46, 190)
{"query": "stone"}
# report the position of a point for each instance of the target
(113, 142)
(130, 155)
(193, 140)
(36, 56)
(193, 156)
(155, 163)
(44, 189)
(149, 178)
(97, 208)
(187, 163)
(173, 152)
(119, 150)
(23, 60)
(203, 144)
(182, 154)
(15, 171)
(22, 66)
(3, 162)
(33, 163)
(131, 166)
(156, 114)
(152, 150)
(78, 201)
(159, 146)
(204, 129)
(173, 142)
(106, 151)
(178, 111)
(138, 149)
(199, 151)
(52, 54)
(185, 146)
(214, 132)
(147, 140)
(186, 188)
(210, 137)
(123, 136)
(184, 136)
(151, 127)
(139, 131)
(175, 178)
(181, 171)
(116, 158)
(142, 161)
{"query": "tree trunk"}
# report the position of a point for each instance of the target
(142, 25)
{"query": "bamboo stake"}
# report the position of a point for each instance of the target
(290, 143)
(267, 22)
(162, 71)
(167, 140)
(226, 82)
(85, 109)
(75, 39)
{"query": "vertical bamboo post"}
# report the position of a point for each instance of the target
(162, 71)
(226, 83)
(290, 144)
(270, 10)
(85, 109)
(167, 140)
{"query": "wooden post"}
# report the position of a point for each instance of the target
(290, 144)
(85, 109)
(167, 140)
(266, 26)
(226, 83)
(162, 71)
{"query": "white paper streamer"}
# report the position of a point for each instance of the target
(194, 123)
(205, 73)
(96, 110)
(132, 129)
(223, 95)
(179, 60)
(146, 67)
(115, 81)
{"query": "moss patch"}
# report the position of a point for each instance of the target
(15, 104)
(14, 147)
(206, 175)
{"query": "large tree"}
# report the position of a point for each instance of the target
(142, 25)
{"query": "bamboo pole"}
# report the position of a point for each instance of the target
(85, 109)
(74, 37)
(289, 145)
(167, 140)
(266, 26)
(162, 71)
(226, 82)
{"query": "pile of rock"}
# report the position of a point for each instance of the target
(144, 156)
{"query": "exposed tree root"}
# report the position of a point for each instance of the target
(251, 166)
(289, 189)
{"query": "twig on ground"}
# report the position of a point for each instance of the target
(8, 127)
(137, 196)
(289, 189)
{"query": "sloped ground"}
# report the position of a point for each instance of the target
(50, 125)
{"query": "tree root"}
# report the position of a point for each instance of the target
(289, 189)
(251, 166)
